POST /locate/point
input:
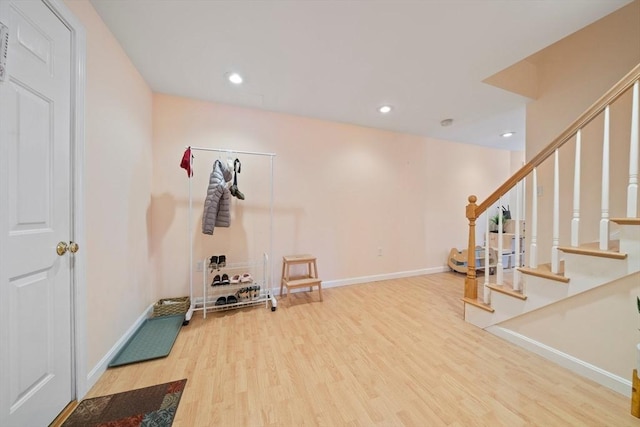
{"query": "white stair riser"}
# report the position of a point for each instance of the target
(630, 245)
(477, 316)
(587, 272)
(541, 291)
(506, 306)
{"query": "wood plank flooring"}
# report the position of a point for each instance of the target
(388, 353)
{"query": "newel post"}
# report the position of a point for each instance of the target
(470, 283)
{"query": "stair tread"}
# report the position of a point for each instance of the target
(593, 249)
(626, 221)
(544, 270)
(613, 245)
(479, 304)
(507, 290)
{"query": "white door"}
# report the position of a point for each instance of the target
(35, 214)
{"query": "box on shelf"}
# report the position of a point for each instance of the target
(171, 306)
(510, 226)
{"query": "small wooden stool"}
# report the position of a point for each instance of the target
(310, 279)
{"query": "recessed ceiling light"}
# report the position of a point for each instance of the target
(507, 134)
(446, 122)
(235, 78)
(385, 109)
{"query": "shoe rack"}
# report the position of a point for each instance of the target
(234, 285)
(261, 270)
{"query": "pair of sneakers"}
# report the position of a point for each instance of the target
(248, 293)
(241, 278)
(231, 299)
(217, 261)
(220, 280)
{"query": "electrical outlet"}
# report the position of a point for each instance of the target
(199, 266)
(379, 251)
(539, 191)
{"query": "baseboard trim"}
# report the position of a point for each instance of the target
(94, 375)
(580, 367)
(374, 278)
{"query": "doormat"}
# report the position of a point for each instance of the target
(149, 406)
(152, 340)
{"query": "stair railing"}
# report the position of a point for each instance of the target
(474, 210)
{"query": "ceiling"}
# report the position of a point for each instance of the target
(340, 60)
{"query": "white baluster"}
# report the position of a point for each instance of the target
(555, 256)
(516, 262)
(604, 221)
(499, 266)
(523, 193)
(487, 269)
(632, 189)
(533, 256)
(575, 221)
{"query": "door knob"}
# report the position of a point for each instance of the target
(61, 248)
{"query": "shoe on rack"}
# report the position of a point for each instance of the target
(242, 294)
(225, 280)
(234, 279)
(213, 263)
(222, 261)
(256, 292)
(231, 299)
(217, 281)
(246, 278)
(221, 301)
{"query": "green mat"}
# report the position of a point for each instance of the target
(152, 340)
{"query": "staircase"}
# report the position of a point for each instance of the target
(583, 268)
(575, 267)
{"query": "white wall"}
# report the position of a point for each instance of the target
(118, 186)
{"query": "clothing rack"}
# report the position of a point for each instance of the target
(191, 260)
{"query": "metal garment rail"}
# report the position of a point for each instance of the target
(270, 275)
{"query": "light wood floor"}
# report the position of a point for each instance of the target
(387, 353)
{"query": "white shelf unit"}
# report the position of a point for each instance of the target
(258, 271)
(266, 275)
(509, 257)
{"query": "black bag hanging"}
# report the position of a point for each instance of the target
(234, 188)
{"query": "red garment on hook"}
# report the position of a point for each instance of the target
(186, 162)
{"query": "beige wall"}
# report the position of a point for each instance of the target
(572, 74)
(341, 192)
(600, 326)
(118, 186)
(517, 161)
(587, 327)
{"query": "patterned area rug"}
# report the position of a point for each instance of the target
(149, 406)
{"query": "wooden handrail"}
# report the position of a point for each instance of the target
(591, 113)
(473, 210)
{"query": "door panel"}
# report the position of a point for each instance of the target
(35, 214)
(32, 151)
